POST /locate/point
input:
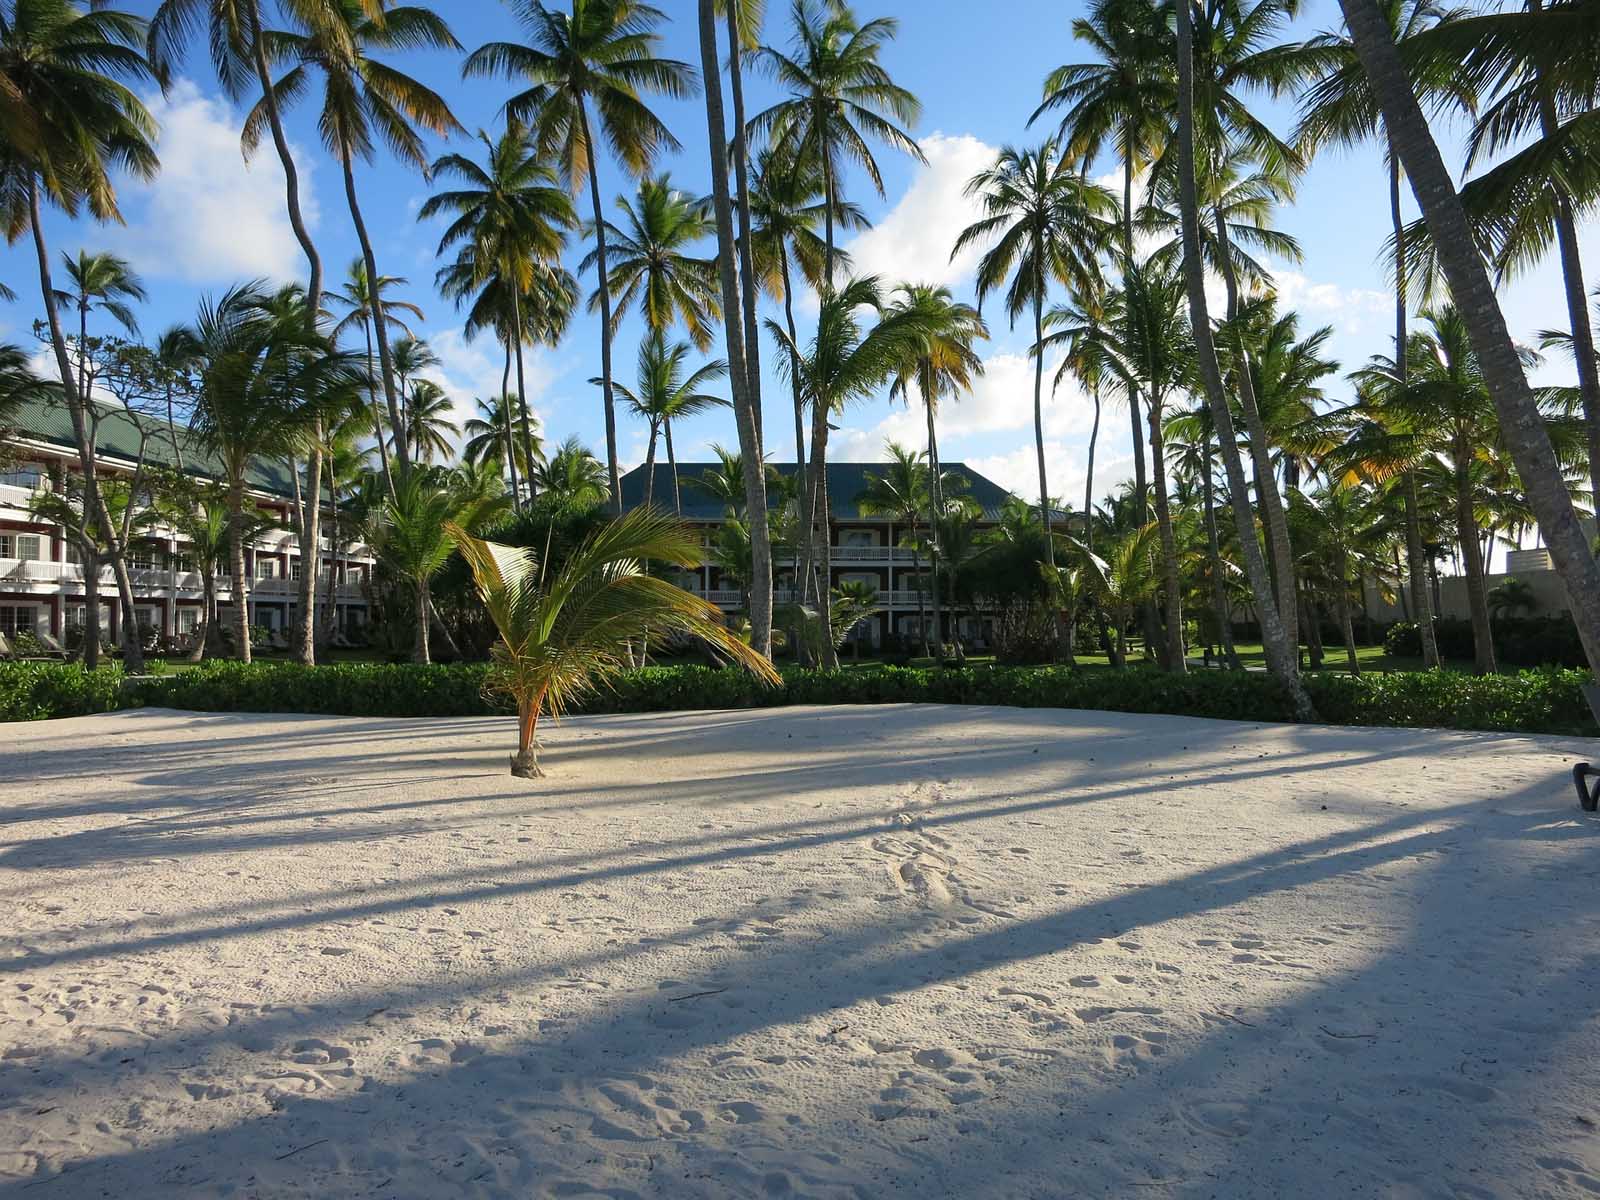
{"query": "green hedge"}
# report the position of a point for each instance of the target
(1546, 701)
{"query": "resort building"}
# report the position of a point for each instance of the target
(41, 577)
(865, 549)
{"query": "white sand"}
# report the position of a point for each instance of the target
(812, 952)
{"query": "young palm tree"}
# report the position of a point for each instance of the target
(724, 482)
(415, 534)
(944, 364)
(1190, 440)
(842, 364)
(1338, 531)
(651, 264)
(1520, 420)
(492, 431)
(69, 120)
(199, 514)
(839, 96)
(572, 478)
(365, 100)
(566, 628)
(1046, 223)
(1123, 579)
(666, 394)
(602, 55)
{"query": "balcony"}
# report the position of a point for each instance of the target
(148, 580)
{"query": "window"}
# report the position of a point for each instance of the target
(24, 546)
(182, 561)
(294, 569)
(27, 475)
(266, 568)
(18, 618)
(188, 620)
(858, 537)
(73, 553)
(142, 558)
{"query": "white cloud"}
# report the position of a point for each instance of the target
(1066, 467)
(469, 370)
(913, 242)
(210, 216)
(1350, 308)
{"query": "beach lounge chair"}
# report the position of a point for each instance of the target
(7, 654)
(52, 647)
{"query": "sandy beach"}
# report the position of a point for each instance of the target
(861, 952)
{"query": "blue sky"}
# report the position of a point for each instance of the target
(212, 220)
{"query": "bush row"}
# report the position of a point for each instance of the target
(1518, 641)
(1545, 701)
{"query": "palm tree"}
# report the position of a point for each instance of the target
(743, 381)
(1046, 224)
(1123, 579)
(515, 218)
(1190, 440)
(1337, 527)
(602, 54)
(415, 533)
(565, 628)
(839, 96)
(651, 266)
(724, 482)
(1281, 654)
(69, 120)
(843, 363)
(492, 431)
(357, 297)
(666, 394)
(365, 100)
(572, 478)
(199, 514)
(432, 433)
(744, 33)
(786, 208)
(944, 364)
(264, 377)
(901, 494)
(1341, 109)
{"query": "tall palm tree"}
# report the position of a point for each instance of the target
(843, 363)
(566, 627)
(786, 209)
(1340, 109)
(944, 364)
(1520, 421)
(511, 212)
(901, 493)
(746, 398)
(365, 100)
(601, 55)
(1281, 653)
(744, 33)
(492, 432)
(651, 264)
(1125, 100)
(70, 120)
(356, 297)
(432, 433)
(1090, 331)
(838, 96)
(1045, 224)
(665, 394)
(724, 482)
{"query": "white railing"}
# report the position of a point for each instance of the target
(872, 554)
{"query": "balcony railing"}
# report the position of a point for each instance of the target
(150, 579)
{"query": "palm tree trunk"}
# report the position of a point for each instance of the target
(241, 595)
(1139, 481)
(522, 387)
(419, 652)
(741, 175)
(1272, 511)
(1171, 585)
(1280, 653)
(1348, 629)
(1219, 588)
(755, 481)
(1038, 418)
(603, 290)
(1521, 424)
(1416, 566)
(794, 339)
(377, 413)
(650, 469)
(1088, 481)
(311, 555)
(380, 325)
(90, 647)
(1483, 659)
(821, 530)
(936, 506)
(511, 435)
(672, 463)
(208, 607)
(922, 607)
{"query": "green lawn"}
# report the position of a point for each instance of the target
(1371, 658)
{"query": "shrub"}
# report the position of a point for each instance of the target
(36, 691)
(1543, 701)
(1518, 641)
(1025, 633)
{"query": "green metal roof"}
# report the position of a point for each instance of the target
(118, 437)
(846, 481)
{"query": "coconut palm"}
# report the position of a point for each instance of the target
(602, 55)
(724, 482)
(263, 377)
(572, 478)
(1337, 544)
(512, 214)
(1124, 577)
(1044, 224)
(786, 209)
(567, 628)
(494, 429)
(364, 100)
(356, 297)
(651, 265)
(432, 433)
(666, 394)
(198, 513)
(944, 364)
(842, 364)
(1190, 443)
(900, 493)
(838, 96)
